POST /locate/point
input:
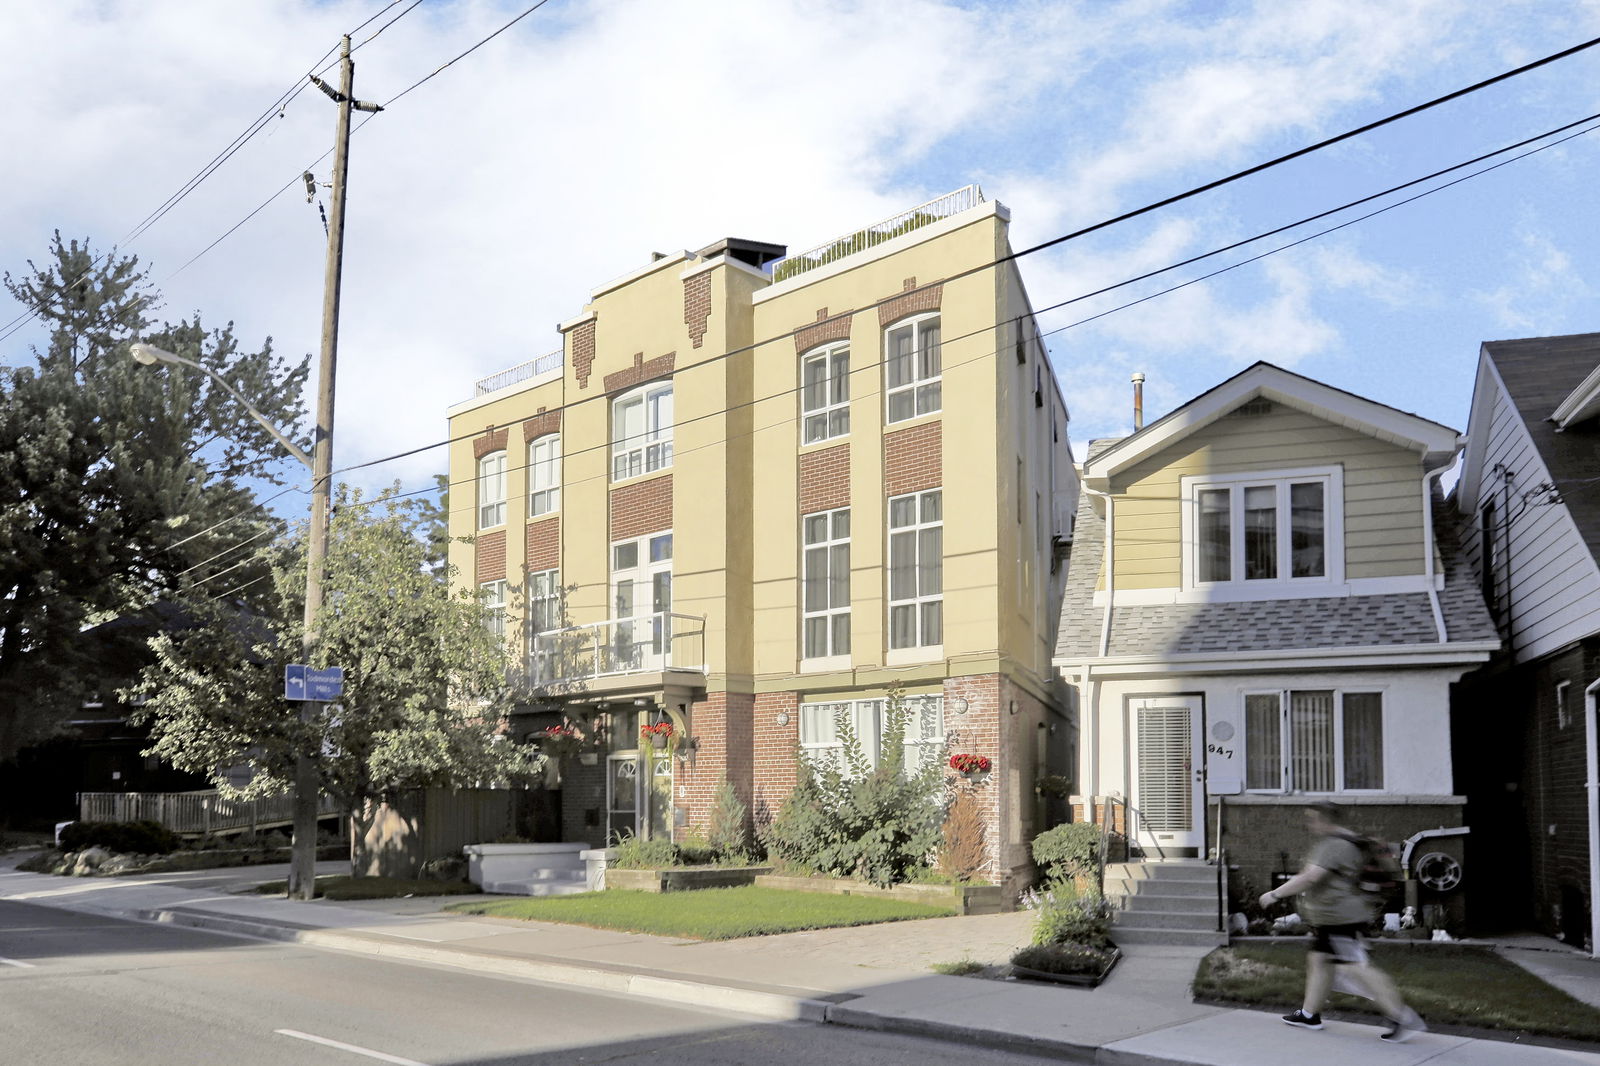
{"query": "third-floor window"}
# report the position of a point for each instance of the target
(825, 393)
(544, 475)
(641, 431)
(492, 490)
(912, 368)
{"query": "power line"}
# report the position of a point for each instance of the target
(440, 70)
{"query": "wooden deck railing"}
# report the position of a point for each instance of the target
(193, 812)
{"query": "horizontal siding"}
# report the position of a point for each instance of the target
(1382, 491)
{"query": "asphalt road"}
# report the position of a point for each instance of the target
(82, 990)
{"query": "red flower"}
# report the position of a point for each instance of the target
(966, 763)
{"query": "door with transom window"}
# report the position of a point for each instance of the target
(1168, 773)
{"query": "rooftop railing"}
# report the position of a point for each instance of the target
(862, 239)
(643, 644)
(521, 372)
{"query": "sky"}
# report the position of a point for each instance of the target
(487, 203)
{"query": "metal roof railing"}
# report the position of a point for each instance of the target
(923, 214)
(521, 372)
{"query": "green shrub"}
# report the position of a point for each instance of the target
(851, 820)
(637, 853)
(1067, 917)
(730, 827)
(1064, 958)
(127, 838)
(1073, 848)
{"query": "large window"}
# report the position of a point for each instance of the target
(1313, 741)
(825, 584)
(492, 490)
(493, 596)
(641, 431)
(825, 394)
(544, 475)
(912, 369)
(641, 601)
(916, 570)
(822, 741)
(544, 615)
(1246, 530)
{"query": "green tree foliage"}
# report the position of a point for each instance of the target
(856, 820)
(114, 476)
(425, 694)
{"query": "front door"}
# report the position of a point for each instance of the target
(1169, 774)
(622, 795)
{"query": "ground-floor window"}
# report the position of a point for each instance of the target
(1317, 740)
(822, 732)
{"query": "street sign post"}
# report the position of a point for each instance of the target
(301, 682)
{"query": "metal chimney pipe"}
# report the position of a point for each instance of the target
(1138, 401)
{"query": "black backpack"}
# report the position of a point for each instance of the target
(1379, 873)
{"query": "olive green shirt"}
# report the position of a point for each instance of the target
(1337, 899)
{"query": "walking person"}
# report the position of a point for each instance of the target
(1332, 903)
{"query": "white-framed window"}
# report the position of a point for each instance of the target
(916, 569)
(492, 490)
(1313, 740)
(1563, 704)
(911, 368)
(1256, 531)
(822, 745)
(544, 615)
(825, 584)
(544, 475)
(825, 393)
(641, 602)
(641, 431)
(493, 595)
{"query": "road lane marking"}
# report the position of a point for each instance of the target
(14, 962)
(342, 1046)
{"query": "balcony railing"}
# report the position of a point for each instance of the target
(521, 372)
(617, 647)
(194, 812)
(862, 239)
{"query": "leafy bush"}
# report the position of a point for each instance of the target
(1064, 958)
(128, 838)
(851, 820)
(1073, 848)
(1068, 917)
(637, 853)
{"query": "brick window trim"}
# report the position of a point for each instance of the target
(824, 331)
(913, 458)
(824, 476)
(542, 424)
(913, 301)
(640, 372)
(640, 508)
(543, 551)
(492, 440)
(489, 556)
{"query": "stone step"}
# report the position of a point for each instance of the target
(1142, 904)
(1185, 871)
(1161, 887)
(1164, 920)
(1124, 934)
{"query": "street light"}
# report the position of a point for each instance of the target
(302, 864)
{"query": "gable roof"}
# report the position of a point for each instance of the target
(1435, 441)
(1552, 382)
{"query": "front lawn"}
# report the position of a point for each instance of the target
(1448, 985)
(343, 886)
(705, 914)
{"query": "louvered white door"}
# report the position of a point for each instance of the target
(1168, 767)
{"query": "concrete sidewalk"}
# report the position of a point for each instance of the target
(873, 977)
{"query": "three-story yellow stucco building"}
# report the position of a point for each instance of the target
(750, 492)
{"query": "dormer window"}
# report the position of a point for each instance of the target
(1278, 528)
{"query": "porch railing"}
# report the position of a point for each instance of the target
(875, 234)
(642, 644)
(521, 372)
(1132, 850)
(193, 812)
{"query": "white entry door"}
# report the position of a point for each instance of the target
(1168, 773)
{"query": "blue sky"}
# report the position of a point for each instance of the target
(486, 204)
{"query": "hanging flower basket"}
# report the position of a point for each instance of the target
(656, 734)
(560, 742)
(971, 765)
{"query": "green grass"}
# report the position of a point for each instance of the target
(706, 914)
(1455, 985)
(958, 969)
(343, 886)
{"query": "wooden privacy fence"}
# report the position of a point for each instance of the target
(194, 812)
(394, 839)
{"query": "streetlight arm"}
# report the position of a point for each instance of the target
(149, 355)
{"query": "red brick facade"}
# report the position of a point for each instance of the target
(825, 479)
(583, 352)
(774, 752)
(642, 507)
(493, 440)
(825, 330)
(490, 564)
(697, 306)
(913, 459)
(544, 544)
(641, 371)
(913, 301)
(541, 423)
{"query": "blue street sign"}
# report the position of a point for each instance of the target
(301, 682)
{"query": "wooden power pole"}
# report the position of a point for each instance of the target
(307, 781)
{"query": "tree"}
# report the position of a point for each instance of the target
(120, 486)
(426, 682)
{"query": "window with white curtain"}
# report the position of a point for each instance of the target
(916, 569)
(912, 368)
(641, 431)
(1316, 740)
(1259, 530)
(493, 596)
(544, 475)
(825, 584)
(492, 490)
(822, 744)
(825, 394)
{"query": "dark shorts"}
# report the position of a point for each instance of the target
(1343, 942)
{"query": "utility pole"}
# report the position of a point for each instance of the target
(307, 781)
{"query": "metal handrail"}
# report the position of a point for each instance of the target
(570, 642)
(1222, 872)
(944, 206)
(521, 372)
(1127, 825)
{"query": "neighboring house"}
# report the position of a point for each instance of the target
(1530, 492)
(1264, 608)
(745, 497)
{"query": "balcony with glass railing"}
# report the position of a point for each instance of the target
(646, 644)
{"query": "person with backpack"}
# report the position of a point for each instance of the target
(1333, 902)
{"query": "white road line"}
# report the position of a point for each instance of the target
(14, 962)
(342, 1046)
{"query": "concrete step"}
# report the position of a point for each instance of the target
(1161, 887)
(1164, 920)
(1125, 934)
(549, 886)
(1190, 870)
(1149, 903)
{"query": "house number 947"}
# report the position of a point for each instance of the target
(1218, 749)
